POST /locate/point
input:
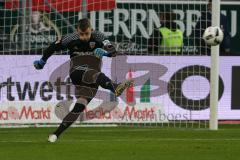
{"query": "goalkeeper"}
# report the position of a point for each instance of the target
(87, 47)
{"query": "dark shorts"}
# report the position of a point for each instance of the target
(83, 88)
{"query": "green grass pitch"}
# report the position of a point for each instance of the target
(121, 143)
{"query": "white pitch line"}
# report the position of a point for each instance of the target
(157, 139)
(124, 140)
(18, 141)
(124, 130)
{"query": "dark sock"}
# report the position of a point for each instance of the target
(70, 118)
(106, 82)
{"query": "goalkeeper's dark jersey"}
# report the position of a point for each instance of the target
(81, 52)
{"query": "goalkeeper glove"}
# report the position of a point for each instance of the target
(109, 48)
(100, 52)
(39, 64)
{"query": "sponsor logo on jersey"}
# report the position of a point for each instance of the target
(92, 45)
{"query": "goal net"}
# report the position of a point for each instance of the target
(160, 46)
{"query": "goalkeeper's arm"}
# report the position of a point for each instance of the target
(111, 50)
(56, 46)
(105, 44)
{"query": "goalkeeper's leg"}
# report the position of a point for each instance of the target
(107, 83)
(92, 76)
(70, 118)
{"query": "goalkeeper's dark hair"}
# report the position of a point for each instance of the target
(84, 24)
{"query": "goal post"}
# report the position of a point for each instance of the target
(214, 70)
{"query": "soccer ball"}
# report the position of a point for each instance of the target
(213, 36)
